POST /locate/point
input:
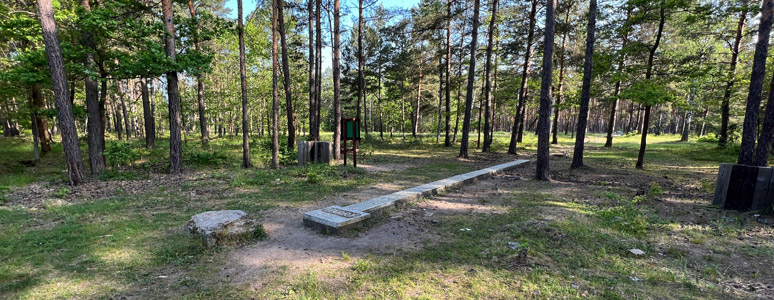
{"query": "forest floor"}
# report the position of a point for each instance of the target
(120, 235)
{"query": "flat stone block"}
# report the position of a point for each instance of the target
(334, 218)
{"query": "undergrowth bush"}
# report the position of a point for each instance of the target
(120, 154)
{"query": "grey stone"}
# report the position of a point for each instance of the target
(352, 214)
(215, 227)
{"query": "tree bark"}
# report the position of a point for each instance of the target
(518, 119)
(648, 75)
(243, 82)
(725, 106)
(318, 55)
(150, 132)
(275, 88)
(415, 119)
(205, 132)
(94, 122)
(336, 81)
(488, 74)
(687, 119)
(544, 125)
(750, 129)
(286, 72)
(63, 102)
(560, 88)
(469, 95)
(360, 80)
(583, 115)
(173, 93)
(447, 138)
(614, 106)
(312, 73)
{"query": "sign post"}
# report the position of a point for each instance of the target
(352, 133)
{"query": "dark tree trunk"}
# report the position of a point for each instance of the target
(560, 88)
(518, 120)
(583, 115)
(150, 132)
(360, 80)
(38, 104)
(243, 82)
(614, 105)
(749, 133)
(64, 107)
(286, 72)
(173, 93)
(440, 97)
(687, 119)
(767, 133)
(648, 75)
(199, 81)
(275, 88)
(447, 128)
(312, 74)
(336, 81)
(94, 123)
(725, 106)
(544, 125)
(318, 55)
(469, 95)
(415, 117)
(488, 74)
(127, 125)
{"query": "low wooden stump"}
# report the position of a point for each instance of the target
(314, 152)
(744, 188)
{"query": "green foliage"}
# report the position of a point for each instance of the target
(3, 191)
(120, 154)
(60, 193)
(205, 158)
(648, 93)
(626, 217)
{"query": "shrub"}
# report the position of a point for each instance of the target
(120, 154)
(205, 158)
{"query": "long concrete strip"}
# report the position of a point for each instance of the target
(335, 219)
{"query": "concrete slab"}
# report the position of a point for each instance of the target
(333, 219)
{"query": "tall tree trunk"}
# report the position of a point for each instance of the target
(459, 86)
(64, 107)
(312, 73)
(318, 54)
(687, 119)
(518, 119)
(614, 105)
(560, 88)
(583, 115)
(286, 72)
(127, 125)
(447, 128)
(725, 106)
(38, 104)
(415, 118)
(275, 87)
(94, 123)
(336, 80)
(648, 74)
(544, 125)
(150, 134)
(489, 86)
(360, 80)
(469, 95)
(243, 82)
(440, 98)
(173, 93)
(749, 133)
(199, 81)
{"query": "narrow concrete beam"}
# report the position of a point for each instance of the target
(335, 219)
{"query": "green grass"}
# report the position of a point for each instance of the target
(119, 244)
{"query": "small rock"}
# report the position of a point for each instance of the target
(513, 245)
(636, 251)
(635, 278)
(465, 229)
(435, 221)
(575, 286)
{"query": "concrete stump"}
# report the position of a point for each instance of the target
(314, 152)
(744, 188)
